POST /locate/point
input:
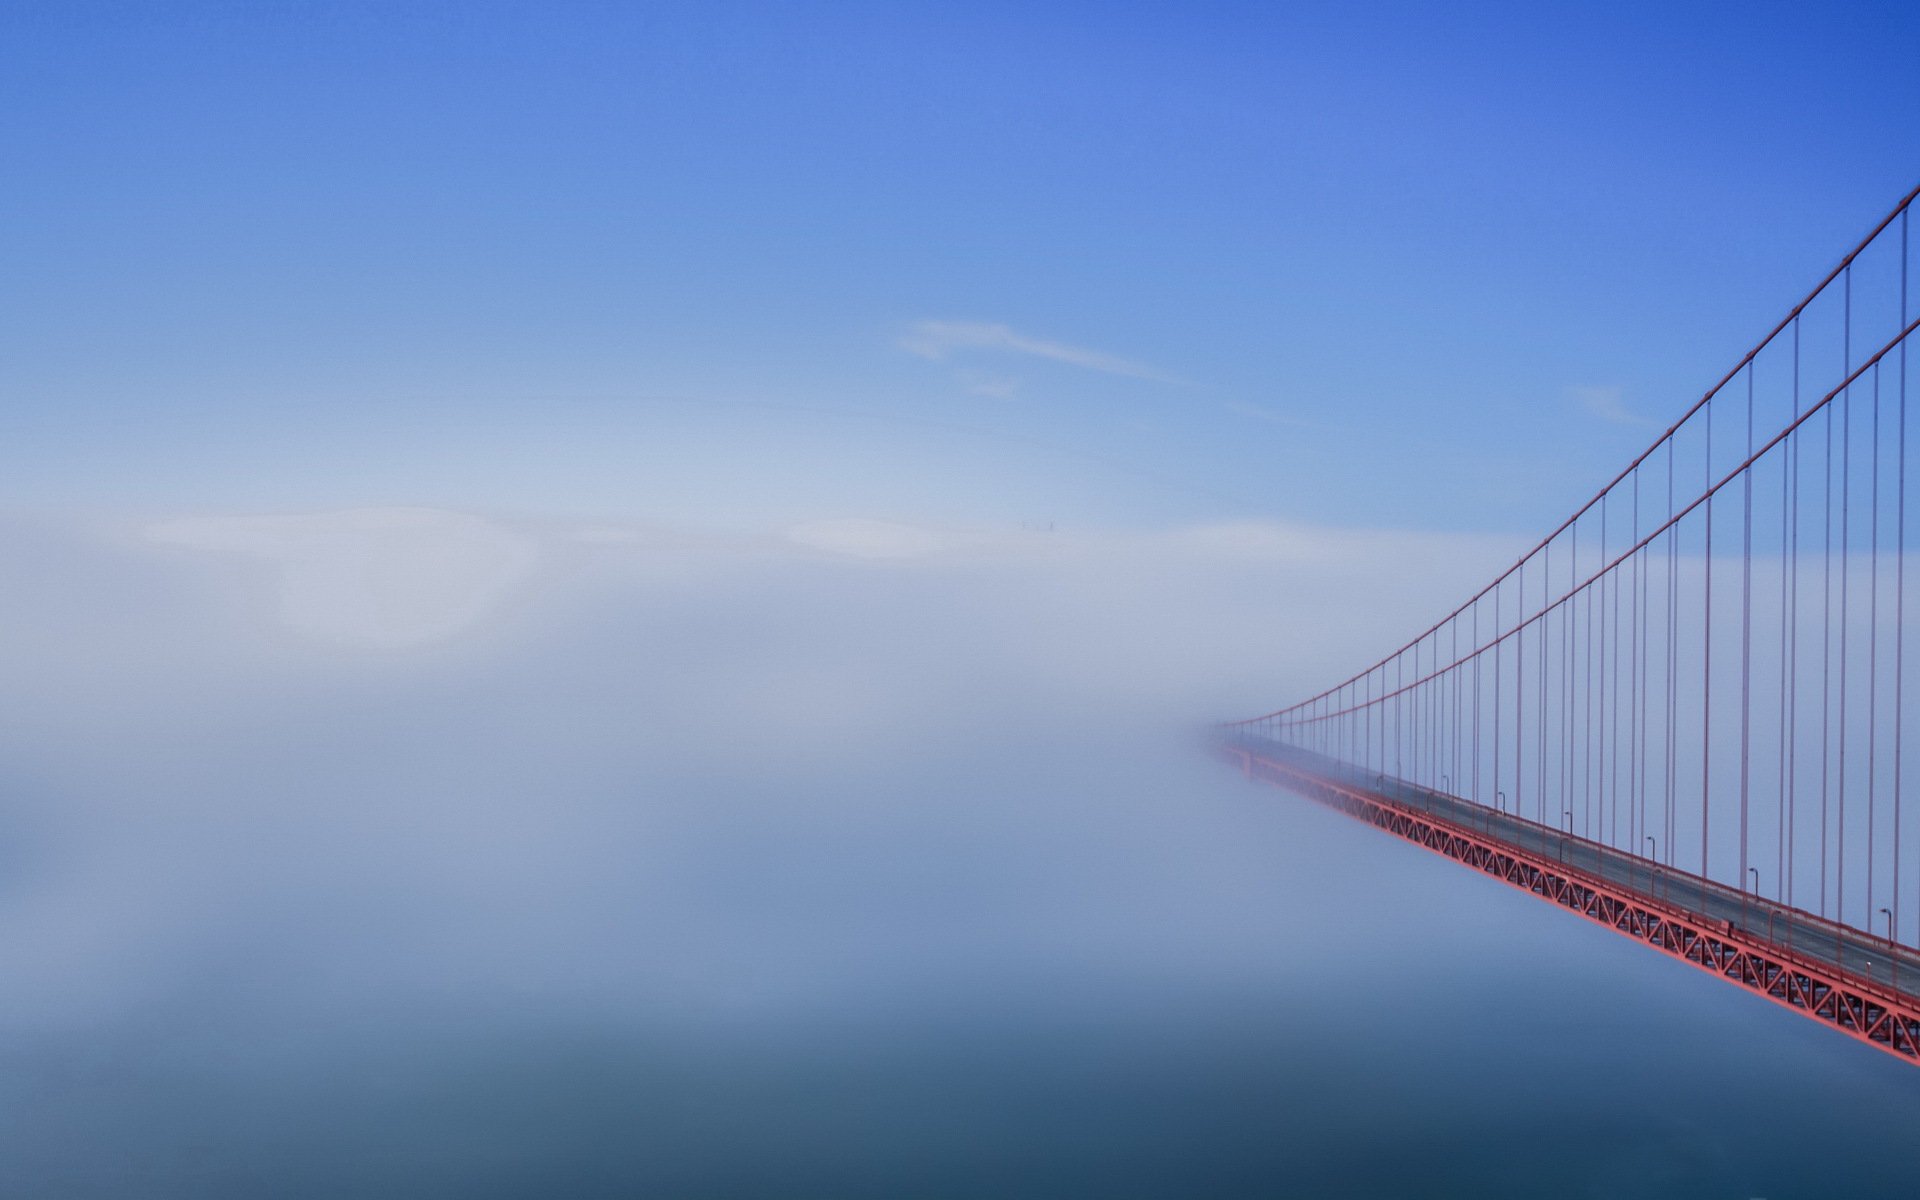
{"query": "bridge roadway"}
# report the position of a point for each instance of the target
(1801, 934)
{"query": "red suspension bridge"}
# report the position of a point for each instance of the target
(1682, 713)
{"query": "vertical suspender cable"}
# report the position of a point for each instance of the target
(1587, 756)
(1846, 615)
(1673, 657)
(1746, 636)
(1900, 580)
(1793, 620)
(1519, 677)
(1780, 738)
(1540, 720)
(1873, 635)
(1634, 703)
(1826, 668)
(1604, 743)
(1706, 667)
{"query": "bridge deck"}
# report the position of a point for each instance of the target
(1836, 954)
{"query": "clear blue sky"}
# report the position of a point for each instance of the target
(1440, 266)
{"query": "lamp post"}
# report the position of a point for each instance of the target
(1653, 859)
(1893, 959)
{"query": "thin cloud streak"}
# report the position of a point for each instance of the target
(1257, 412)
(937, 341)
(1607, 404)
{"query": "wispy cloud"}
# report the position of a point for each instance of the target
(999, 387)
(1258, 412)
(938, 341)
(1608, 404)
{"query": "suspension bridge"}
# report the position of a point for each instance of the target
(1681, 713)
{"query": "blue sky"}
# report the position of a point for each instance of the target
(1433, 267)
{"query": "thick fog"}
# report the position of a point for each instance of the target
(403, 852)
(411, 752)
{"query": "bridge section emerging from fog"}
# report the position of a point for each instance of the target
(1682, 713)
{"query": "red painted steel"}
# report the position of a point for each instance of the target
(1839, 999)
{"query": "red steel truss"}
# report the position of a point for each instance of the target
(1861, 1008)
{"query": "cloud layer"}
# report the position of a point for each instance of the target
(489, 734)
(414, 852)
